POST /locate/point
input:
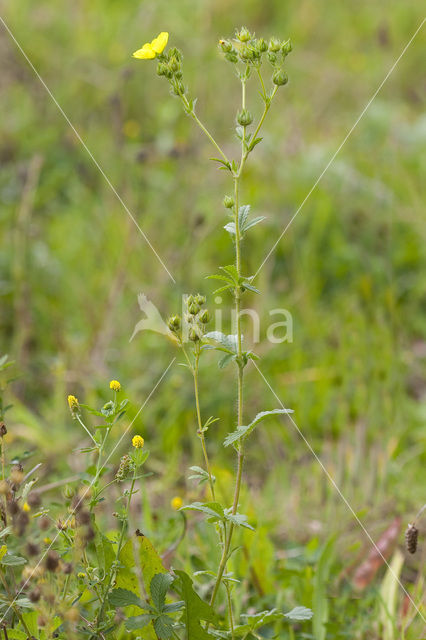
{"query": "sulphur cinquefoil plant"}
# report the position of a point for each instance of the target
(263, 62)
(81, 567)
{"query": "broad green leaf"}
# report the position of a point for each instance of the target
(125, 598)
(163, 627)
(159, 586)
(138, 622)
(223, 362)
(12, 561)
(15, 634)
(228, 342)
(238, 519)
(299, 613)
(212, 509)
(150, 561)
(31, 620)
(244, 431)
(126, 577)
(195, 609)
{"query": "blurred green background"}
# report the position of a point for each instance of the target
(350, 269)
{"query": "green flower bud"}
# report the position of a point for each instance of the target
(244, 35)
(274, 45)
(179, 88)
(246, 53)
(199, 299)
(68, 492)
(280, 77)
(174, 64)
(231, 57)
(162, 69)
(226, 46)
(261, 45)
(193, 335)
(193, 309)
(174, 323)
(244, 118)
(175, 53)
(272, 57)
(228, 202)
(287, 47)
(205, 316)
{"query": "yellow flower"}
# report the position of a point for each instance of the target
(26, 507)
(81, 575)
(176, 503)
(115, 385)
(151, 49)
(73, 405)
(47, 540)
(138, 442)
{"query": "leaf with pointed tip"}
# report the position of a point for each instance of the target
(138, 622)
(125, 598)
(299, 613)
(159, 586)
(244, 431)
(195, 609)
(253, 222)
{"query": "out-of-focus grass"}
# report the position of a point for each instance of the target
(350, 269)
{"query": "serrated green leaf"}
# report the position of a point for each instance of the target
(253, 222)
(223, 362)
(244, 431)
(12, 561)
(195, 609)
(212, 509)
(299, 613)
(238, 519)
(159, 587)
(138, 622)
(163, 627)
(124, 598)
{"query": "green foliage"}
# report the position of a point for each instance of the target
(196, 610)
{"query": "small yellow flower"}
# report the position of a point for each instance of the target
(176, 503)
(73, 405)
(151, 49)
(81, 575)
(138, 442)
(26, 507)
(115, 385)
(47, 540)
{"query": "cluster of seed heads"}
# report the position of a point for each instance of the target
(125, 469)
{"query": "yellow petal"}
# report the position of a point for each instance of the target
(159, 43)
(146, 53)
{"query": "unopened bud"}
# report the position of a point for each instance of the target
(280, 78)
(226, 46)
(244, 35)
(228, 202)
(287, 47)
(244, 118)
(205, 316)
(174, 323)
(274, 45)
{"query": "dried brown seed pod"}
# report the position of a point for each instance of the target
(3, 429)
(411, 537)
(35, 595)
(52, 561)
(34, 499)
(33, 549)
